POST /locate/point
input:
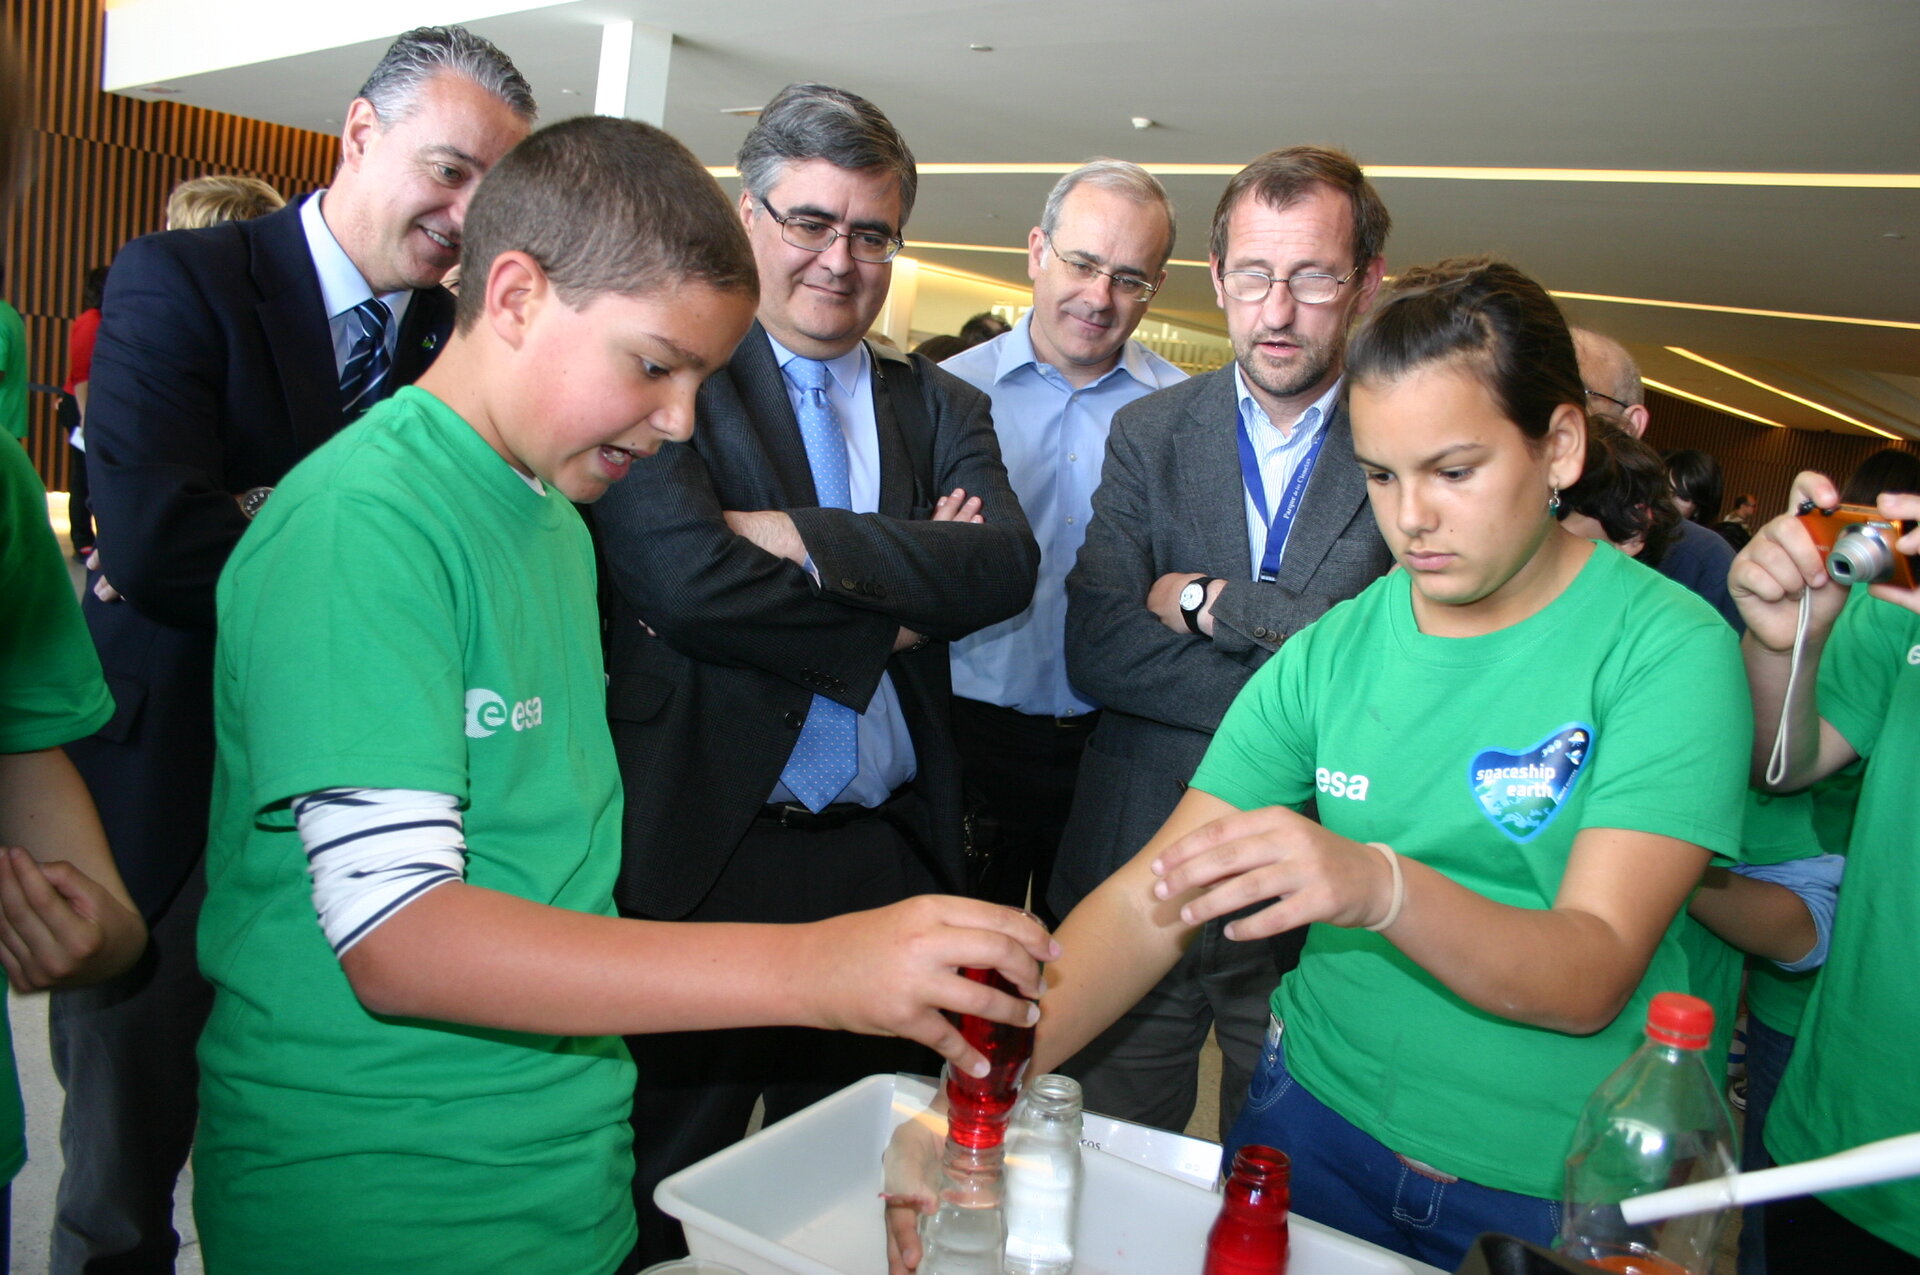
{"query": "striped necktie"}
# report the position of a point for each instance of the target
(827, 755)
(367, 363)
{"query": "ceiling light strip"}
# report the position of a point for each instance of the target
(1704, 361)
(1704, 401)
(1567, 296)
(1428, 172)
(1738, 309)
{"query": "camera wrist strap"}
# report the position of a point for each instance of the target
(1777, 761)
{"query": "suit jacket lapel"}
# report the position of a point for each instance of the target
(769, 413)
(293, 316)
(896, 467)
(425, 330)
(1334, 493)
(1210, 484)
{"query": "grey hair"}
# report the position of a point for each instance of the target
(1627, 386)
(817, 121)
(424, 52)
(1119, 176)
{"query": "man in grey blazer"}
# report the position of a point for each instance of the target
(1230, 515)
(781, 721)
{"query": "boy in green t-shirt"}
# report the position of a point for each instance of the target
(410, 710)
(1851, 1077)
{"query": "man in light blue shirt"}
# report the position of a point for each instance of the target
(1056, 380)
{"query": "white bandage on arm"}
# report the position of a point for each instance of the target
(372, 851)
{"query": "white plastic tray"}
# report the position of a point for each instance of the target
(802, 1197)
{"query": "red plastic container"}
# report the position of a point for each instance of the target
(1250, 1235)
(978, 1108)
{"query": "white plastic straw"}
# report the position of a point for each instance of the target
(1883, 1161)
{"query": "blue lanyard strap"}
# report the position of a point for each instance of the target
(1280, 522)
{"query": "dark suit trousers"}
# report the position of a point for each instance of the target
(1018, 770)
(124, 1050)
(697, 1089)
(1146, 1067)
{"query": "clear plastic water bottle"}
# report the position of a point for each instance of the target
(1250, 1235)
(1043, 1178)
(967, 1234)
(1659, 1121)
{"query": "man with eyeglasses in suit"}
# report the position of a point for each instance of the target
(1230, 515)
(772, 590)
(1056, 380)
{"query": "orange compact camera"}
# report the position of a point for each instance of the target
(1857, 542)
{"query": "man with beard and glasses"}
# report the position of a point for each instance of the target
(1230, 515)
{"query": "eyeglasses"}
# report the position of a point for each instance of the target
(1610, 398)
(1311, 288)
(1130, 286)
(869, 246)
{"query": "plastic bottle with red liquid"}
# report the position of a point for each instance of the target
(1250, 1235)
(967, 1234)
(1657, 1122)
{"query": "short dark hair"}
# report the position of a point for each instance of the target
(1490, 318)
(604, 205)
(1696, 476)
(983, 326)
(393, 86)
(1623, 487)
(941, 348)
(94, 290)
(818, 121)
(1888, 469)
(1280, 179)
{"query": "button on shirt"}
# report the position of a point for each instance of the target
(1053, 438)
(1279, 455)
(885, 748)
(342, 287)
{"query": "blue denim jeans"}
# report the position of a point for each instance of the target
(1347, 1180)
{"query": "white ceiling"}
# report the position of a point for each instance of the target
(1773, 86)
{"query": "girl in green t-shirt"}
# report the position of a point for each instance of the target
(1511, 810)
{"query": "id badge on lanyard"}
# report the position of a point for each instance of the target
(1280, 521)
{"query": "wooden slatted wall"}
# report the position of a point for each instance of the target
(104, 166)
(1757, 458)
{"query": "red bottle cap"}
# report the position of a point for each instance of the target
(1685, 1022)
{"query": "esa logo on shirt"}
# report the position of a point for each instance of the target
(1913, 655)
(487, 713)
(1338, 783)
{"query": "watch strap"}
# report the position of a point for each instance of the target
(1193, 615)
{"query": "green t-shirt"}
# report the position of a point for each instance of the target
(13, 372)
(406, 613)
(1619, 705)
(1852, 1075)
(51, 690)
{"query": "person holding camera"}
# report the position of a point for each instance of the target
(1850, 1080)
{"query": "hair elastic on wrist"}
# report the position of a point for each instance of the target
(1399, 887)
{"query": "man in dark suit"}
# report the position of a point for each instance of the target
(781, 722)
(1230, 515)
(225, 355)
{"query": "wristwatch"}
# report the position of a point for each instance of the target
(251, 500)
(1194, 597)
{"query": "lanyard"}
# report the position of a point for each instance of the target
(1280, 522)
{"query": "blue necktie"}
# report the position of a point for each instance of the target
(367, 361)
(827, 755)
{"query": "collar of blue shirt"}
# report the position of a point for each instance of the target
(342, 286)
